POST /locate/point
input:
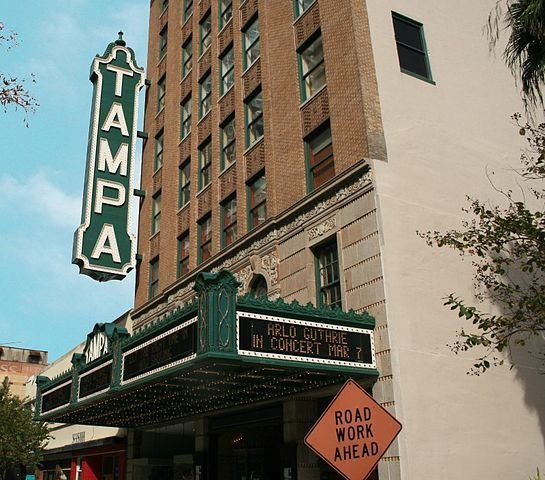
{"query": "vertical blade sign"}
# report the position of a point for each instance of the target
(104, 248)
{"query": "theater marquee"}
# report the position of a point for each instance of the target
(104, 248)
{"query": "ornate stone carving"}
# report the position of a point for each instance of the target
(269, 264)
(244, 276)
(324, 227)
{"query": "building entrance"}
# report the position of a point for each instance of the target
(249, 451)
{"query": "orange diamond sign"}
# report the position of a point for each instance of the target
(353, 433)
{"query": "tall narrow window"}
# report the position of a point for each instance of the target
(301, 6)
(185, 121)
(158, 159)
(257, 201)
(228, 144)
(183, 254)
(328, 278)
(228, 221)
(250, 42)
(321, 165)
(164, 5)
(226, 11)
(161, 93)
(205, 164)
(312, 66)
(187, 57)
(154, 277)
(205, 238)
(155, 213)
(185, 183)
(188, 9)
(254, 119)
(227, 70)
(163, 42)
(205, 95)
(206, 33)
(411, 47)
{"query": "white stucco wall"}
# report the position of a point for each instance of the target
(441, 139)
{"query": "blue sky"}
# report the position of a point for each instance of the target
(45, 303)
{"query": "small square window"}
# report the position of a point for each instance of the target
(185, 183)
(228, 144)
(257, 201)
(411, 47)
(312, 65)
(250, 42)
(301, 6)
(229, 221)
(254, 119)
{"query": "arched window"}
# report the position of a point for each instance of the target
(258, 287)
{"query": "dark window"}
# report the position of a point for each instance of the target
(185, 183)
(161, 92)
(228, 144)
(154, 277)
(158, 159)
(187, 57)
(250, 42)
(183, 254)
(411, 47)
(185, 123)
(321, 165)
(229, 221)
(254, 119)
(226, 12)
(312, 63)
(205, 95)
(188, 9)
(206, 33)
(205, 164)
(328, 279)
(227, 68)
(258, 287)
(156, 212)
(205, 238)
(257, 201)
(163, 42)
(164, 4)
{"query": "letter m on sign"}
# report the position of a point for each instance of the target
(104, 247)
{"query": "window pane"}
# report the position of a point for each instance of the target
(410, 46)
(408, 33)
(205, 93)
(313, 68)
(411, 60)
(206, 37)
(251, 43)
(187, 58)
(226, 11)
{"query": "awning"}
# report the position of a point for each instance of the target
(216, 353)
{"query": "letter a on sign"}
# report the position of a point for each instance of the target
(353, 433)
(104, 247)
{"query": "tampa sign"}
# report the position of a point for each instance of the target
(104, 248)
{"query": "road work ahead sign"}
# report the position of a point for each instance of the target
(104, 248)
(353, 433)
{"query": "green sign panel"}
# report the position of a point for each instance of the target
(104, 248)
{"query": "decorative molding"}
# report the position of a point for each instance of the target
(322, 228)
(315, 111)
(307, 24)
(269, 263)
(251, 78)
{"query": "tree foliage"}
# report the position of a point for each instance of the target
(21, 437)
(506, 246)
(524, 52)
(13, 90)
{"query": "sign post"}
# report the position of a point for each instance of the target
(353, 433)
(104, 248)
